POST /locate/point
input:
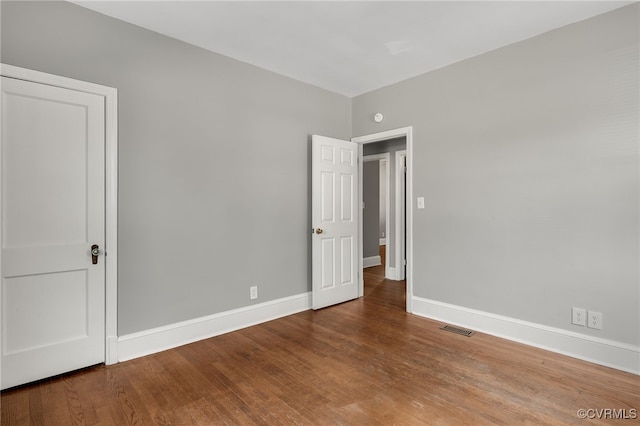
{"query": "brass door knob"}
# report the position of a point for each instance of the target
(319, 231)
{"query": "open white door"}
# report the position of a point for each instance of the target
(334, 214)
(53, 211)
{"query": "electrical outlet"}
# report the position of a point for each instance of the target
(579, 316)
(594, 320)
(253, 292)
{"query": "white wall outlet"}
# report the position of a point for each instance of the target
(579, 316)
(594, 320)
(253, 292)
(420, 202)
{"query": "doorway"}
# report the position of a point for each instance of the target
(398, 143)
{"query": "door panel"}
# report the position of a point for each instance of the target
(346, 263)
(52, 296)
(334, 202)
(56, 312)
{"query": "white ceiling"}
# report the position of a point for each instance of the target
(351, 47)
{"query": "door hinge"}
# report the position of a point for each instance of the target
(404, 262)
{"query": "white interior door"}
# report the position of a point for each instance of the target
(335, 250)
(53, 190)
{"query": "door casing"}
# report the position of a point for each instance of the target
(401, 209)
(406, 132)
(111, 189)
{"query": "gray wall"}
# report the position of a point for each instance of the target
(213, 161)
(527, 157)
(371, 211)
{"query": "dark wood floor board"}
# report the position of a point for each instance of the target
(55, 401)
(203, 413)
(299, 358)
(13, 408)
(79, 415)
(129, 403)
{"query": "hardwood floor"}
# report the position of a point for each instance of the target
(365, 362)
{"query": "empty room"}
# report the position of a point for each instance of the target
(315, 212)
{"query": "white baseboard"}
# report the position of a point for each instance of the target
(605, 352)
(368, 262)
(392, 274)
(147, 342)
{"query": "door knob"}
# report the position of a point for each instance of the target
(95, 251)
(319, 231)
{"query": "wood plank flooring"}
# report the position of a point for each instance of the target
(365, 362)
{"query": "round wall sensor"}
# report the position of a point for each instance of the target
(378, 117)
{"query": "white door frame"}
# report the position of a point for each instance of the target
(111, 189)
(406, 132)
(400, 206)
(387, 157)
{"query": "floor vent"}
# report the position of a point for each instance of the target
(457, 330)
